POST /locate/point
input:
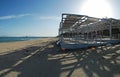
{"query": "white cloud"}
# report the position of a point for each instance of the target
(13, 16)
(22, 15)
(49, 17)
(7, 17)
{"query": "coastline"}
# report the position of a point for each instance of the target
(7, 47)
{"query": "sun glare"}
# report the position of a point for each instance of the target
(96, 8)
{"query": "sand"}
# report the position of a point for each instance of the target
(42, 58)
(11, 46)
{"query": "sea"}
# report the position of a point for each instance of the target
(15, 39)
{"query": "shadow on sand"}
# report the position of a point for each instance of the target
(47, 61)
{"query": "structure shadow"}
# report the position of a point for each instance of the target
(95, 62)
(48, 61)
(30, 62)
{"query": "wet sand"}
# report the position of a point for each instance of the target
(42, 58)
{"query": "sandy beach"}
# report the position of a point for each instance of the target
(11, 46)
(42, 58)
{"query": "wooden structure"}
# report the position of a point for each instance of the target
(81, 31)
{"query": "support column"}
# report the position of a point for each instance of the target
(110, 32)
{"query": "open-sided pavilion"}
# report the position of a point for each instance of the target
(81, 31)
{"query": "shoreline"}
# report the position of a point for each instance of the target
(7, 47)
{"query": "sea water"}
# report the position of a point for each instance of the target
(14, 39)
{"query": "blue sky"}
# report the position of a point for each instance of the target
(42, 17)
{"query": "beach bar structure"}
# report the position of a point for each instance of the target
(81, 31)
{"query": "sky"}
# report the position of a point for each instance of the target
(42, 17)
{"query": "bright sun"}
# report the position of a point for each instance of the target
(96, 8)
